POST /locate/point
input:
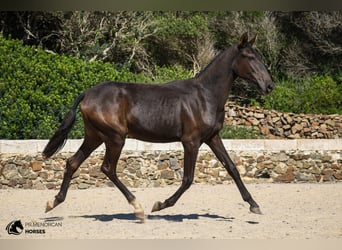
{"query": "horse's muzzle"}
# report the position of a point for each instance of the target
(269, 87)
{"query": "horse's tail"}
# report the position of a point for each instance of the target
(59, 138)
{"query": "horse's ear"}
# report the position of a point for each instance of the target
(243, 40)
(252, 41)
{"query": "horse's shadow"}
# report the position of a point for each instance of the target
(181, 217)
(173, 218)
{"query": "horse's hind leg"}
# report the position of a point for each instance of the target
(72, 164)
(113, 151)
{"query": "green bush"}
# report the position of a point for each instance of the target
(321, 94)
(240, 132)
(37, 88)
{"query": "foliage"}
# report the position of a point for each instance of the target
(313, 43)
(240, 132)
(320, 94)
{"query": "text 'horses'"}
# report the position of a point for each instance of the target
(190, 111)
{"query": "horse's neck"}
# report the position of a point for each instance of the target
(218, 77)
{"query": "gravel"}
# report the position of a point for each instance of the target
(290, 211)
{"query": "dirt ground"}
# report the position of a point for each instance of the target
(290, 211)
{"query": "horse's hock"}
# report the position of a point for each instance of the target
(154, 165)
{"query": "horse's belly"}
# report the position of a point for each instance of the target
(155, 128)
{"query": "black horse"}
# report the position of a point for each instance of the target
(190, 111)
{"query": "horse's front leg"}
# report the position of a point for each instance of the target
(190, 156)
(217, 147)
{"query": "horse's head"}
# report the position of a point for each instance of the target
(15, 227)
(249, 66)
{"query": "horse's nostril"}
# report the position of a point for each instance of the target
(270, 87)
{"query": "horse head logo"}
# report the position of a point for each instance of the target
(15, 227)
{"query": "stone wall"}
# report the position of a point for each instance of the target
(275, 124)
(154, 168)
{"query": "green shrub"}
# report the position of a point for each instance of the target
(165, 74)
(321, 94)
(240, 132)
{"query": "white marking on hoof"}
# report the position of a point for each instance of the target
(138, 210)
(49, 206)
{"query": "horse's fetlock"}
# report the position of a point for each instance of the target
(60, 198)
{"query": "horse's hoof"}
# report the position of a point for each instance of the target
(140, 215)
(156, 206)
(49, 206)
(138, 210)
(255, 210)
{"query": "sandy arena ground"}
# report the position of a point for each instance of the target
(290, 211)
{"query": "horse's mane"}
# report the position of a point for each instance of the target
(209, 64)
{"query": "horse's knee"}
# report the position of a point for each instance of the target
(70, 165)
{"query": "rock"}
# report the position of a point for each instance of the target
(43, 175)
(50, 185)
(162, 165)
(330, 122)
(286, 127)
(164, 157)
(131, 170)
(275, 119)
(287, 177)
(259, 115)
(326, 158)
(294, 136)
(288, 119)
(253, 121)
(260, 158)
(264, 129)
(231, 112)
(36, 165)
(214, 163)
(282, 157)
(262, 173)
(96, 173)
(337, 176)
(305, 177)
(336, 166)
(174, 165)
(83, 186)
(281, 168)
(37, 184)
(315, 170)
(328, 175)
(222, 173)
(24, 171)
(167, 174)
(10, 171)
(296, 128)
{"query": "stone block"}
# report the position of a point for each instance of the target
(36, 165)
(167, 174)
